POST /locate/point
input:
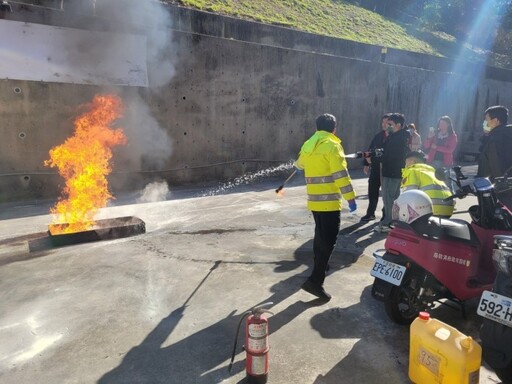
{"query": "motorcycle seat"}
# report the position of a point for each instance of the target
(449, 229)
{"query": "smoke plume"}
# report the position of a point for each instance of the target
(153, 192)
(139, 41)
(151, 18)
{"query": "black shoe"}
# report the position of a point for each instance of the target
(367, 218)
(316, 290)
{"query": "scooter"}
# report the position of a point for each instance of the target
(496, 308)
(436, 258)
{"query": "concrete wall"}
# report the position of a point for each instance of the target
(232, 107)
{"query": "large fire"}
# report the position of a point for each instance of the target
(84, 162)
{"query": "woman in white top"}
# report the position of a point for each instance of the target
(415, 141)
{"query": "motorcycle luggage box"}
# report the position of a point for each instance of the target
(381, 289)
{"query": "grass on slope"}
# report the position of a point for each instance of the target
(324, 17)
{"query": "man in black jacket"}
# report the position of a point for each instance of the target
(496, 156)
(396, 148)
(372, 165)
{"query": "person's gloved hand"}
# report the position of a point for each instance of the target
(352, 205)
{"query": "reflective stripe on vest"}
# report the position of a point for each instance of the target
(339, 175)
(442, 202)
(346, 189)
(325, 197)
(319, 180)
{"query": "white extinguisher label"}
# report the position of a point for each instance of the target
(257, 345)
(258, 365)
(258, 330)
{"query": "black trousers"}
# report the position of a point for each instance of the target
(373, 193)
(327, 226)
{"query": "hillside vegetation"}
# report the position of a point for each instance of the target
(344, 20)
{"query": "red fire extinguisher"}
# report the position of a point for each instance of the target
(256, 344)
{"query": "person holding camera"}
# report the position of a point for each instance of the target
(372, 169)
(441, 143)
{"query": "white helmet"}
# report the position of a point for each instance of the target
(411, 205)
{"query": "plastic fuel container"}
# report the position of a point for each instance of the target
(440, 353)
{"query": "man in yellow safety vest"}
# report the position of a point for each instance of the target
(418, 175)
(327, 179)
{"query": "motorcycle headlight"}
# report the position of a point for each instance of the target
(502, 260)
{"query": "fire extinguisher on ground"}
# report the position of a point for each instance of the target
(256, 344)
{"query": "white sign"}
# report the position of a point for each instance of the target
(39, 52)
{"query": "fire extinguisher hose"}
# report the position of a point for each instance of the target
(236, 338)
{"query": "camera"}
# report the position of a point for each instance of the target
(376, 152)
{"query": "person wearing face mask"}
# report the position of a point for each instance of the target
(395, 148)
(415, 141)
(496, 156)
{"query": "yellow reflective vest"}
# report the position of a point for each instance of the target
(325, 169)
(422, 176)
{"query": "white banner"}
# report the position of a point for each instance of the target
(64, 55)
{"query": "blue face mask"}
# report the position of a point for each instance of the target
(486, 128)
(389, 129)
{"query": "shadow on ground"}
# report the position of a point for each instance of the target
(201, 357)
(382, 347)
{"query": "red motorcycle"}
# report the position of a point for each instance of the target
(428, 258)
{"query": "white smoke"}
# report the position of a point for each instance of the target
(149, 146)
(130, 51)
(153, 192)
(130, 23)
(151, 18)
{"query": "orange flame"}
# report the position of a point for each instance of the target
(83, 161)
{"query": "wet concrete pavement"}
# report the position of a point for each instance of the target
(163, 307)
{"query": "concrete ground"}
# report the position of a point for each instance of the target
(163, 307)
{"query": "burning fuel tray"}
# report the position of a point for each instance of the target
(106, 229)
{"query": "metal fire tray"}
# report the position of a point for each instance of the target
(106, 229)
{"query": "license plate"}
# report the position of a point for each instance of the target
(388, 271)
(496, 307)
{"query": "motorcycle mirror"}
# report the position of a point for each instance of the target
(458, 173)
(441, 174)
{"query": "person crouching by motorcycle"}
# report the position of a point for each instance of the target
(418, 175)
